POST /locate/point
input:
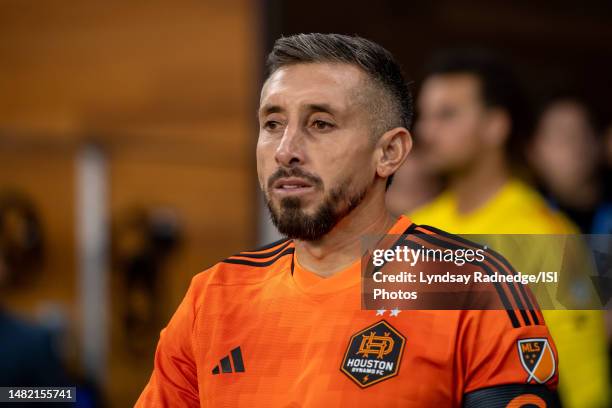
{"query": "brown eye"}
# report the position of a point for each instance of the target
(271, 125)
(322, 125)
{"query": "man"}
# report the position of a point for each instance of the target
(472, 128)
(566, 155)
(28, 352)
(283, 325)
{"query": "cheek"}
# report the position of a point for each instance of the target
(264, 154)
(352, 164)
(554, 161)
(553, 153)
(457, 140)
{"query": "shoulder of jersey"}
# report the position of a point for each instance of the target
(520, 304)
(253, 266)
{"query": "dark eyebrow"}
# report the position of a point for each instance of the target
(313, 107)
(322, 107)
(268, 109)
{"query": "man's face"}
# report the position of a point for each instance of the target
(565, 149)
(315, 157)
(451, 122)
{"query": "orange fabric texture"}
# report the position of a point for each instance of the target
(260, 330)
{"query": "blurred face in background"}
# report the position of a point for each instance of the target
(454, 126)
(413, 185)
(315, 152)
(565, 150)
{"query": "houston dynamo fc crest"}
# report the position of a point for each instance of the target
(373, 354)
(537, 359)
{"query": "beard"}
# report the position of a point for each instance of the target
(293, 222)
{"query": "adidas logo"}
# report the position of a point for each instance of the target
(226, 366)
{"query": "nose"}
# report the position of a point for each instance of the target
(289, 152)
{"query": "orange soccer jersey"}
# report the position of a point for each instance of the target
(259, 330)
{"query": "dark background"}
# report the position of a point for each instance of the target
(555, 47)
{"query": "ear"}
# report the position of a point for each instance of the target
(497, 127)
(393, 148)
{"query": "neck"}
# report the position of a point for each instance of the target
(478, 183)
(342, 245)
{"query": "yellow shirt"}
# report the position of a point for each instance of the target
(579, 334)
(515, 209)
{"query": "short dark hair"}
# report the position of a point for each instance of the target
(499, 88)
(572, 96)
(378, 63)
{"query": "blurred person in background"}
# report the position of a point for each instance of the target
(568, 155)
(28, 351)
(473, 123)
(419, 185)
(569, 158)
(28, 354)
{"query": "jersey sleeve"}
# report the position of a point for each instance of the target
(512, 395)
(174, 378)
(494, 351)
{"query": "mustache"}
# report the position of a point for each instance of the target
(294, 172)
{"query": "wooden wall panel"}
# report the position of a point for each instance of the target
(168, 91)
(49, 181)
